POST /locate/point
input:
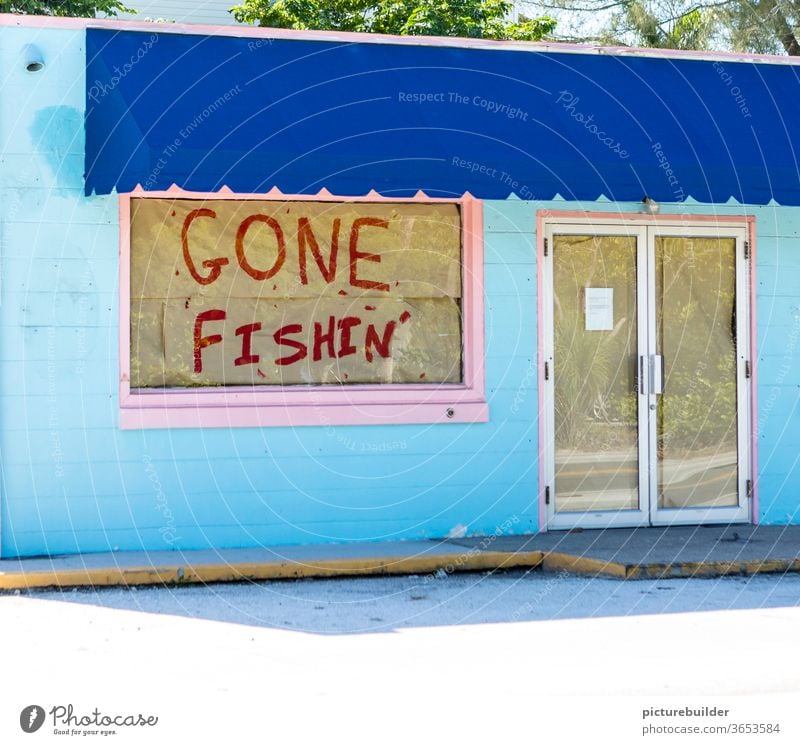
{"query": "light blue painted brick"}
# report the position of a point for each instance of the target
(783, 369)
(518, 280)
(60, 347)
(778, 498)
(76, 407)
(514, 216)
(783, 223)
(22, 171)
(38, 242)
(781, 310)
(91, 444)
(63, 308)
(26, 129)
(778, 418)
(778, 280)
(776, 252)
(60, 207)
(509, 248)
(67, 379)
(61, 275)
(29, 542)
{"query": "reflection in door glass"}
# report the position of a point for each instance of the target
(594, 373)
(696, 334)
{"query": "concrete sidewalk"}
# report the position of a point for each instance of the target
(622, 553)
(685, 551)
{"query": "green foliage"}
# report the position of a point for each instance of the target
(757, 26)
(649, 23)
(464, 18)
(761, 26)
(77, 8)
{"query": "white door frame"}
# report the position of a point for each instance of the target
(645, 229)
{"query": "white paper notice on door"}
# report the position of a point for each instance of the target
(599, 308)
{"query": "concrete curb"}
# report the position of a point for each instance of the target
(711, 568)
(587, 566)
(468, 560)
(556, 561)
(182, 574)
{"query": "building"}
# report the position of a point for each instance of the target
(264, 287)
(183, 11)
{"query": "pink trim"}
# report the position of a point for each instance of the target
(313, 405)
(300, 415)
(540, 353)
(349, 37)
(619, 217)
(751, 228)
(124, 298)
(323, 195)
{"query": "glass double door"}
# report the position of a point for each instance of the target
(646, 375)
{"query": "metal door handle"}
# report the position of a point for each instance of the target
(641, 374)
(657, 368)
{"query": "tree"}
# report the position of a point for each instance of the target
(767, 26)
(760, 26)
(467, 18)
(650, 26)
(78, 8)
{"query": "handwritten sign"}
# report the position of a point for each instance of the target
(247, 292)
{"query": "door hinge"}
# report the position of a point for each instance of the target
(749, 488)
(747, 249)
(747, 369)
(546, 246)
(547, 495)
(547, 371)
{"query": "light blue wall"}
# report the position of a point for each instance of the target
(71, 480)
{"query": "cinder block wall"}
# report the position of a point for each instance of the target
(72, 481)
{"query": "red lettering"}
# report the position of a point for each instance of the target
(382, 345)
(200, 341)
(280, 338)
(328, 339)
(246, 332)
(305, 236)
(259, 274)
(345, 325)
(355, 254)
(215, 265)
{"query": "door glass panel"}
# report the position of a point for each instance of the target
(696, 335)
(595, 376)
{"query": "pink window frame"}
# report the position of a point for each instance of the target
(313, 405)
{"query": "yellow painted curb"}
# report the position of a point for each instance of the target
(712, 568)
(588, 566)
(555, 561)
(465, 561)
(468, 560)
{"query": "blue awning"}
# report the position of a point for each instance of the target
(204, 112)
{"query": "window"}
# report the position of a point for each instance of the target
(258, 310)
